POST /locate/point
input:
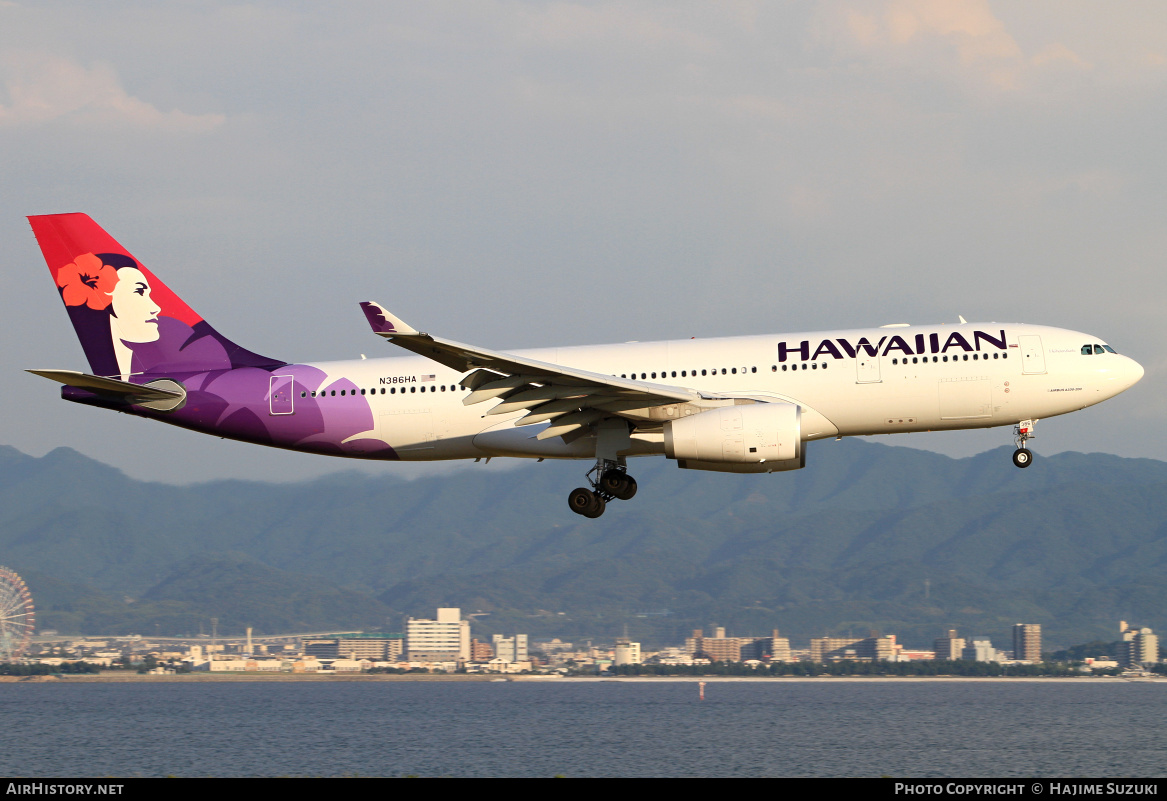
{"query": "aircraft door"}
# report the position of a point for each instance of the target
(1032, 355)
(279, 394)
(866, 368)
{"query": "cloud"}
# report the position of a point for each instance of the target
(961, 36)
(45, 89)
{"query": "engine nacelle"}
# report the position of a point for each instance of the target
(752, 438)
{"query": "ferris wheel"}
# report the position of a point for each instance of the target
(17, 620)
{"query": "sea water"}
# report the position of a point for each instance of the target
(780, 728)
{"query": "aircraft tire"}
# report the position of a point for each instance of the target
(627, 489)
(618, 484)
(598, 508)
(1022, 457)
(583, 501)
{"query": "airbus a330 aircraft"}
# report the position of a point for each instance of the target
(738, 405)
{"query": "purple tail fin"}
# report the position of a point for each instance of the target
(128, 321)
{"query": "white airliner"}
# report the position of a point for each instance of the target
(740, 404)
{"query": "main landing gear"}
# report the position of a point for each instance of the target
(1023, 431)
(609, 480)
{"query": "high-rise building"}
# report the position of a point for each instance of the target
(772, 648)
(511, 649)
(980, 649)
(716, 649)
(446, 639)
(868, 649)
(949, 647)
(480, 651)
(1027, 642)
(1140, 646)
(627, 652)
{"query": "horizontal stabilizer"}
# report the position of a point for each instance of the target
(107, 386)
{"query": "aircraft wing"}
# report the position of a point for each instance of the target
(569, 398)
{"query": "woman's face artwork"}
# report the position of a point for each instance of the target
(135, 315)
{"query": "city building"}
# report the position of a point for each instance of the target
(374, 647)
(867, 649)
(949, 647)
(627, 652)
(717, 648)
(980, 649)
(1027, 642)
(1139, 646)
(510, 649)
(772, 648)
(446, 639)
(480, 651)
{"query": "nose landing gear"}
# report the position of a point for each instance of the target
(1022, 432)
(609, 480)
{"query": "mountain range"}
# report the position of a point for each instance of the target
(867, 538)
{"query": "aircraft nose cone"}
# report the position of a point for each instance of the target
(1136, 372)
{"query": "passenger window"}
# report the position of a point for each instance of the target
(945, 358)
(894, 361)
(1086, 350)
(824, 365)
(784, 368)
(734, 371)
(814, 366)
(702, 372)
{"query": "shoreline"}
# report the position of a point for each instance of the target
(118, 677)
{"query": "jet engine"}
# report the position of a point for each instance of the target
(752, 438)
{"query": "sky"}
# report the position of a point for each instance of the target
(516, 174)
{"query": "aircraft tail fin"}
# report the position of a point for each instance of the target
(128, 321)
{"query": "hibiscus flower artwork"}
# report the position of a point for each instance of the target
(129, 322)
(87, 281)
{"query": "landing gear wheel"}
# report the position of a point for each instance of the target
(584, 502)
(618, 484)
(628, 490)
(1022, 457)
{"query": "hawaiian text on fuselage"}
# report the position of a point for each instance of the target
(840, 348)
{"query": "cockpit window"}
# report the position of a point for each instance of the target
(1110, 349)
(1098, 349)
(1087, 350)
